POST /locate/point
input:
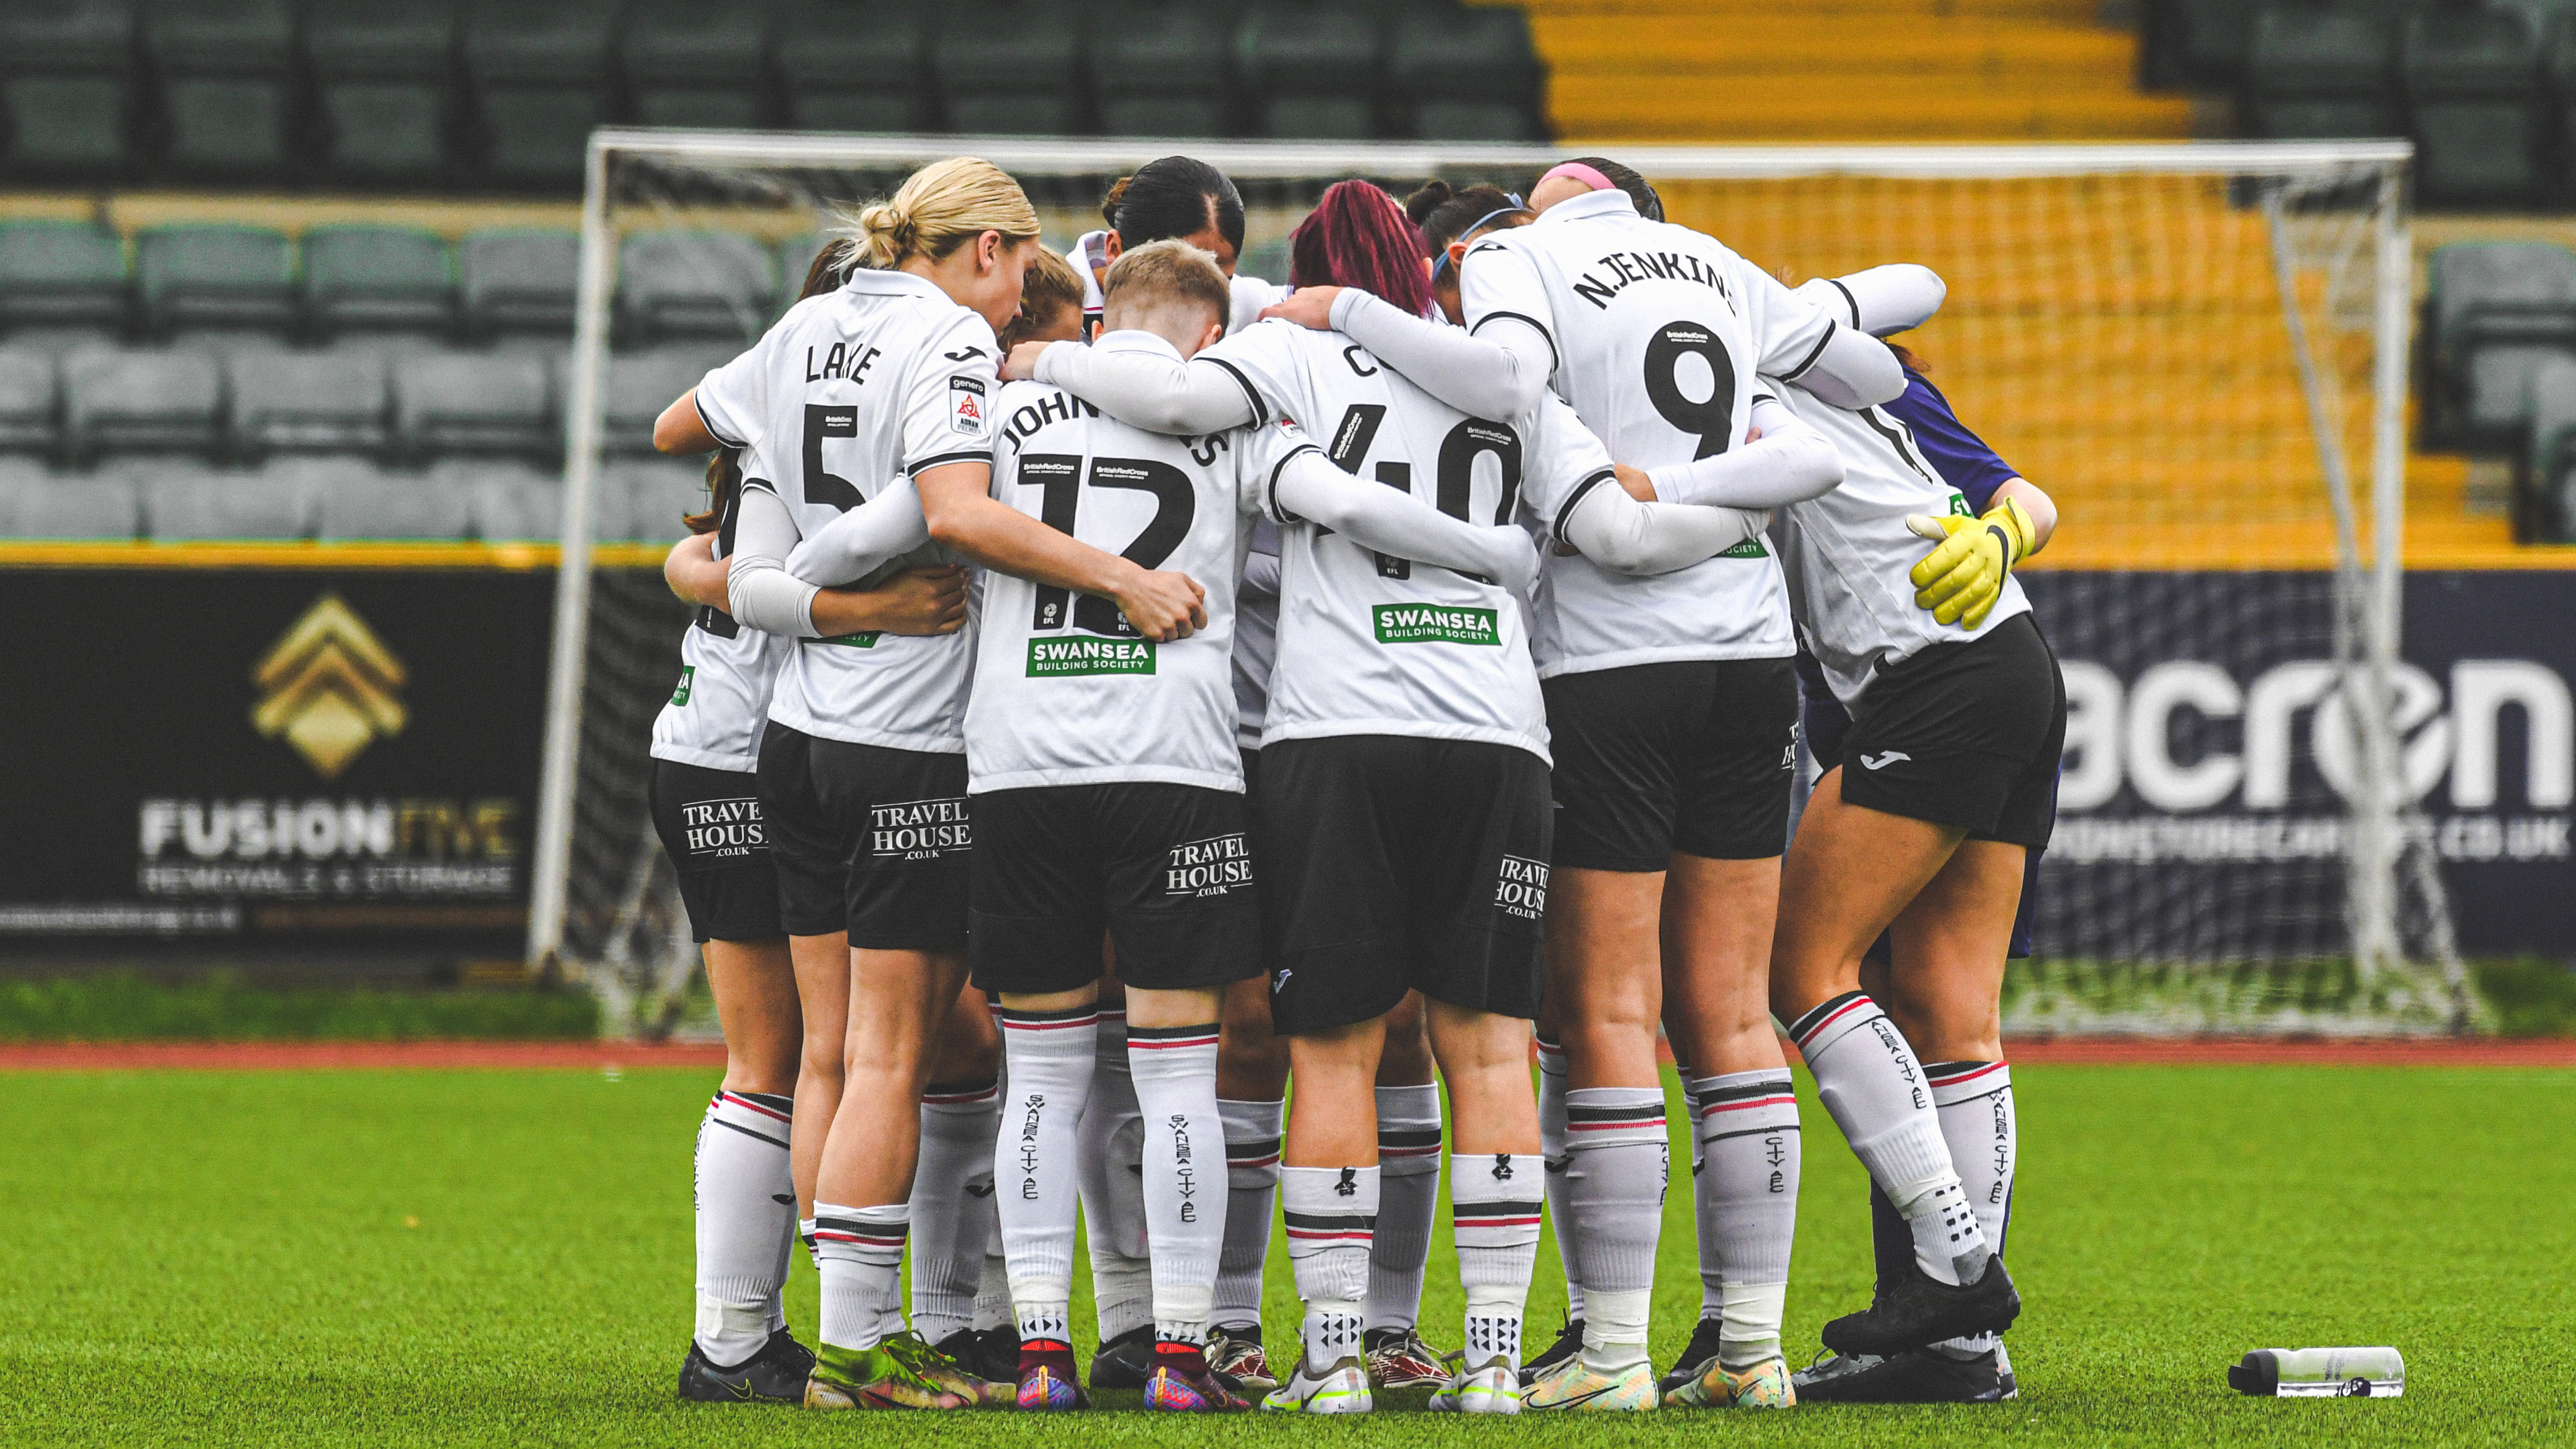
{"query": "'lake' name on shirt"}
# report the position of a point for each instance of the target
(1631, 267)
(843, 362)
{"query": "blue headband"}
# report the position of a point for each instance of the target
(1441, 261)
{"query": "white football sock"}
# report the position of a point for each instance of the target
(1975, 1103)
(1408, 1163)
(950, 1188)
(1749, 1143)
(1551, 1151)
(1252, 1188)
(1874, 1088)
(1175, 1073)
(1494, 1219)
(993, 1290)
(1034, 1172)
(1705, 1229)
(1332, 1215)
(1112, 1150)
(1619, 1160)
(861, 1253)
(745, 1230)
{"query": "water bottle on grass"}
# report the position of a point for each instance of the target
(2320, 1373)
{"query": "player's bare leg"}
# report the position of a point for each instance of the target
(1718, 921)
(899, 1000)
(1408, 1160)
(1850, 871)
(1251, 1089)
(1494, 1197)
(1329, 1188)
(822, 966)
(1943, 991)
(1604, 973)
(745, 1191)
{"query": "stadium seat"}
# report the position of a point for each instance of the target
(2318, 74)
(2495, 313)
(2213, 39)
(67, 67)
(384, 82)
(2558, 68)
(2473, 82)
(1016, 72)
(1163, 69)
(693, 284)
(639, 385)
(1316, 65)
(540, 75)
(81, 506)
(186, 501)
(30, 392)
(138, 401)
(854, 67)
(307, 402)
(519, 282)
(215, 276)
(513, 502)
(693, 64)
(470, 402)
(227, 86)
(796, 258)
(377, 278)
(658, 494)
(2548, 462)
(1471, 73)
(62, 273)
(353, 501)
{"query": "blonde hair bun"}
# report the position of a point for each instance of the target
(939, 208)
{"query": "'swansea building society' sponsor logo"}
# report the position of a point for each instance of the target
(1431, 624)
(1052, 657)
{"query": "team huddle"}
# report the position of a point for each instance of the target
(1121, 687)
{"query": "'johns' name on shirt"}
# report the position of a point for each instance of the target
(1055, 407)
(1632, 267)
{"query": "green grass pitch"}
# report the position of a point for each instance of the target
(464, 1258)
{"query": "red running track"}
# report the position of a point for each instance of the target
(598, 1056)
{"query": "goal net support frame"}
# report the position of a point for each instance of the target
(2281, 181)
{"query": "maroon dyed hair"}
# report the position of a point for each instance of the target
(1357, 236)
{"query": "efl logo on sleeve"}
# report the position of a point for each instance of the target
(966, 404)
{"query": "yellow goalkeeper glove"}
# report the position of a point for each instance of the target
(1960, 581)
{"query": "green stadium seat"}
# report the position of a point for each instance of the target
(226, 69)
(541, 80)
(377, 278)
(1464, 68)
(384, 81)
(1317, 67)
(637, 386)
(512, 502)
(2558, 70)
(518, 282)
(2473, 82)
(37, 504)
(30, 394)
(694, 284)
(66, 72)
(185, 501)
(657, 494)
(190, 275)
(470, 402)
(693, 64)
(352, 502)
(307, 402)
(62, 274)
(1014, 72)
(1163, 69)
(2321, 74)
(854, 67)
(2495, 313)
(128, 400)
(2548, 463)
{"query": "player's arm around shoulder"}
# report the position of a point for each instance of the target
(958, 503)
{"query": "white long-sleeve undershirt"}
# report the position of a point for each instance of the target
(1619, 533)
(1790, 463)
(1140, 389)
(1379, 518)
(1498, 373)
(759, 592)
(863, 540)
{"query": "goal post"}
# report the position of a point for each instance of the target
(2200, 349)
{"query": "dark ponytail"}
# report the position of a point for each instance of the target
(724, 480)
(1176, 197)
(1445, 216)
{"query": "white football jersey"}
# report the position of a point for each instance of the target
(1658, 333)
(1256, 632)
(715, 714)
(1848, 554)
(1066, 692)
(884, 377)
(1383, 646)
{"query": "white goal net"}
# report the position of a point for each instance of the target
(2199, 350)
